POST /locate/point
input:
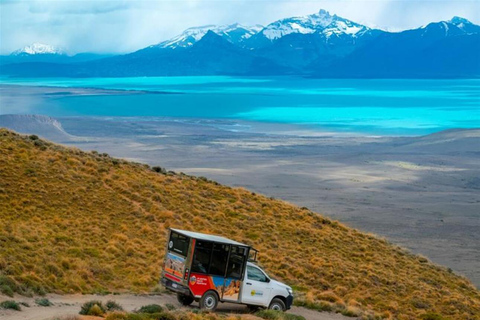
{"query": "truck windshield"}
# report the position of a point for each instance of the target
(178, 243)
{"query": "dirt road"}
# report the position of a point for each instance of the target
(65, 305)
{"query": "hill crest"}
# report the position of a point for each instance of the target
(75, 221)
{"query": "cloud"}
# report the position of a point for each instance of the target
(125, 26)
(78, 7)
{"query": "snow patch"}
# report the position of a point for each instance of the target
(39, 48)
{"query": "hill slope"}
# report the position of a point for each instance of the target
(72, 221)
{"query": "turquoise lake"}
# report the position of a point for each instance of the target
(376, 107)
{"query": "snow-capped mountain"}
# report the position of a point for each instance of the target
(321, 22)
(453, 27)
(38, 48)
(235, 33)
(464, 25)
(320, 44)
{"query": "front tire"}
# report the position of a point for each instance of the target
(184, 299)
(209, 301)
(277, 304)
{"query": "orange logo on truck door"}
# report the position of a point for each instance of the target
(200, 283)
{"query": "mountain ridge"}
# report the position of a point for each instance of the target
(317, 45)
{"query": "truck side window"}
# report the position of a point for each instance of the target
(201, 258)
(219, 259)
(236, 262)
(178, 243)
(256, 274)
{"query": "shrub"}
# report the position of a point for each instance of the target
(289, 316)
(151, 308)
(96, 311)
(113, 306)
(10, 304)
(420, 304)
(163, 316)
(33, 137)
(159, 170)
(6, 290)
(351, 312)
(87, 306)
(170, 307)
(7, 286)
(44, 302)
(269, 314)
(25, 304)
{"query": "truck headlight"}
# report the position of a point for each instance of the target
(290, 291)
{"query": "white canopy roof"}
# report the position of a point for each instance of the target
(208, 237)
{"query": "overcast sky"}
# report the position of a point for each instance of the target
(128, 25)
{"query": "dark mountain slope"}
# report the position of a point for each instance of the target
(439, 50)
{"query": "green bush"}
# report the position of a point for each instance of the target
(87, 306)
(163, 316)
(269, 314)
(159, 170)
(170, 307)
(113, 306)
(10, 304)
(44, 302)
(289, 316)
(96, 311)
(277, 315)
(6, 290)
(7, 286)
(151, 308)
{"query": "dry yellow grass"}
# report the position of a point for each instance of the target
(72, 221)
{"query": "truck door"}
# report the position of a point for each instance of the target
(256, 287)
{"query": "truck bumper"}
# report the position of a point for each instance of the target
(175, 286)
(289, 301)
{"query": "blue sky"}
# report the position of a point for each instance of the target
(128, 25)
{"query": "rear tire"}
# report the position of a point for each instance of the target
(209, 301)
(184, 299)
(277, 304)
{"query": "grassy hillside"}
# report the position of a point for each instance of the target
(73, 221)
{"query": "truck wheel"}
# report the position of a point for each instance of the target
(209, 301)
(277, 304)
(184, 299)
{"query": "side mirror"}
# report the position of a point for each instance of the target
(268, 279)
